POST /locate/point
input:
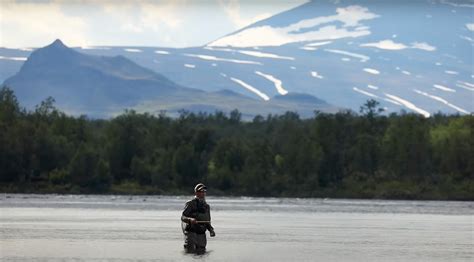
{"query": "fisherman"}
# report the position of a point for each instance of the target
(196, 220)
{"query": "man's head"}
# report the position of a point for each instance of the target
(200, 190)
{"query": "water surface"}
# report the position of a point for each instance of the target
(145, 228)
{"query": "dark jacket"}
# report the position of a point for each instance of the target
(200, 211)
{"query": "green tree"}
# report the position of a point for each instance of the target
(364, 155)
(186, 166)
(406, 147)
(258, 168)
(162, 174)
(141, 171)
(453, 147)
(9, 106)
(88, 170)
(126, 139)
(371, 109)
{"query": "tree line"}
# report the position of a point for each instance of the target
(356, 155)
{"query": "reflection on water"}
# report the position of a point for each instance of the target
(146, 228)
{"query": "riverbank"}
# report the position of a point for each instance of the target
(388, 190)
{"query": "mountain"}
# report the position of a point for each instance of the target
(87, 84)
(414, 55)
(102, 86)
(410, 55)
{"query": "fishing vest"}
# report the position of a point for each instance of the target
(201, 212)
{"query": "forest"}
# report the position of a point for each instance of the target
(366, 154)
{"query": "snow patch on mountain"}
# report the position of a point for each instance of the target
(314, 46)
(392, 101)
(265, 55)
(451, 72)
(251, 88)
(132, 50)
(409, 105)
(447, 89)
(14, 58)
(371, 71)
(364, 92)
(316, 75)
(390, 45)
(437, 98)
(251, 53)
(350, 16)
(276, 82)
(363, 58)
(465, 85)
(213, 58)
(423, 46)
(457, 4)
(467, 38)
(386, 44)
(319, 43)
(218, 49)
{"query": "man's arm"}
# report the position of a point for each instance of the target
(208, 225)
(189, 213)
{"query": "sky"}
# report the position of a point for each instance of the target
(163, 23)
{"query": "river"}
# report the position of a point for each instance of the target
(147, 228)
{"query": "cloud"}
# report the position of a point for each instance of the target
(173, 23)
(24, 23)
(131, 27)
(232, 9)
(89, 22)
(138, 16)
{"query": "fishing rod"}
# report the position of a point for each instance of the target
(184, 224)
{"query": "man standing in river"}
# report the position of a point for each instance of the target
(197, 219)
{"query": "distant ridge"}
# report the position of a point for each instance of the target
(103, 86)
(300, 98)
(86, 83)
